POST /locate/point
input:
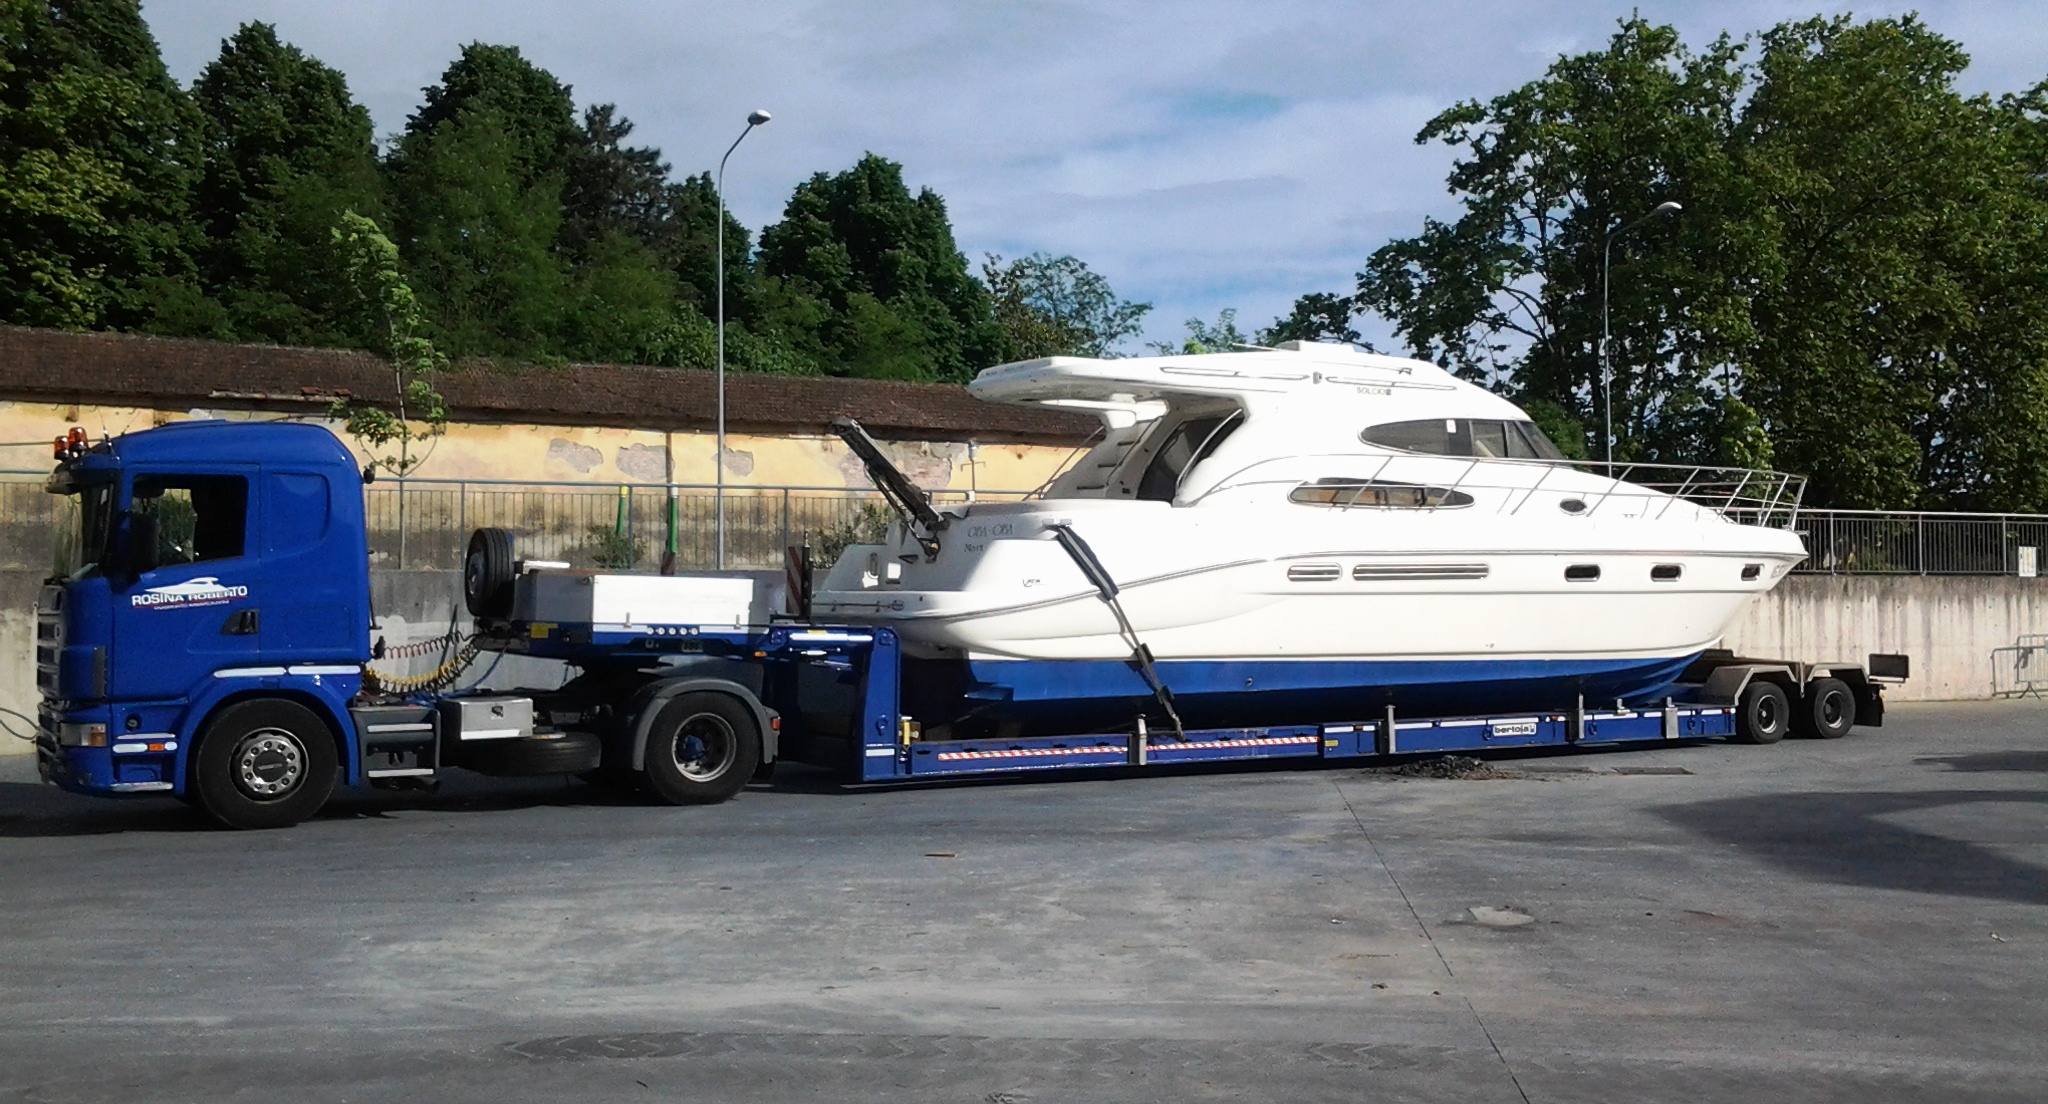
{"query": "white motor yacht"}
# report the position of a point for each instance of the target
(1309, 532)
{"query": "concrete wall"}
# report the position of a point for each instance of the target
(1948, 625)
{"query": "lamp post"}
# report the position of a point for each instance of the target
(754, 119)
(1606, 369)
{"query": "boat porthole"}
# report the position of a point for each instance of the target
(1751, 572)
(1666, 573)
(1582, 573)
(1572, 506)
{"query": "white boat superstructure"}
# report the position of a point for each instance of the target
(1333, 519)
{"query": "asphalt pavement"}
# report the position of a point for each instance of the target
(1863, 919)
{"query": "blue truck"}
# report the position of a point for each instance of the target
(207, 635)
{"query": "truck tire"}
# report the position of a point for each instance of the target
(702, 749)
(264, 763)
(1763, 713)
(526, 756)
(487, 574)
(1830, 709)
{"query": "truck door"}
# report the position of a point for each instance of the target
(186, 596)
(322, 618)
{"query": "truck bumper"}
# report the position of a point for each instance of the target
(127, 766)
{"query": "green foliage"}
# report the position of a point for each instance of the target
(1846, 292)
(609, 547)
(868, 524)
(868, 277)
(1221, 336)
(286, 151)
(1058, 306)
(1317, 316)
(386, 301)
(96, 166)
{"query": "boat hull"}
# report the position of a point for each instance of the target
(1007, 697)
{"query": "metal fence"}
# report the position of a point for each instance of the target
(1871, 542)
(421, 524)
(424, 524)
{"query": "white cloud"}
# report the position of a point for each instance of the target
(1199, 153)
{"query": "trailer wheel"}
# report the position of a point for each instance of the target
(1830, 709)
(702, 749)
(487, 573)
(1763, 714)
(266, 763)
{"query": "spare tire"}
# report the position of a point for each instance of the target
(550, 753)
(487, 574)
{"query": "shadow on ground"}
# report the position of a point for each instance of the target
(2034, 761)
(1844, 838)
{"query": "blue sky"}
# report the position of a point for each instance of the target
(1200, 154)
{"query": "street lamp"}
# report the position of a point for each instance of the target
(1606, 371)
(753, 120)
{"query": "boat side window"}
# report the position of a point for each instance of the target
(1186, 445)
(1383, 493)
(1481, 437)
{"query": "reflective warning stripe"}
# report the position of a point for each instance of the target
(1271, 741)
(1112, 749)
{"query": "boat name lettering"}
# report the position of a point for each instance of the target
(998, 529)
(975, 547)
(1515, 728)
(1032, 582)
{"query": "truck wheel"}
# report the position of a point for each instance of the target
(266, 763)
(1830, 709)
(1763, 714)
(487, 573)
(702, 749)
(526, 756)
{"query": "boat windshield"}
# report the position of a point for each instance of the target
(1186, 445)
(1465, 437)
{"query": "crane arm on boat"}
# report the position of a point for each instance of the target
(1141, 656)
(909, 500)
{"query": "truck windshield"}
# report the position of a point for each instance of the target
(86, 519)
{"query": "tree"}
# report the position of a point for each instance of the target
(1058, 306)
(1899, 351)
(1852, 292)
(1317, 316)
(871, 282)
(1510, 292)
(479, 237)
(286, 151)
(536, 111)
(385, 302)
(96, 166)
(1221, 336)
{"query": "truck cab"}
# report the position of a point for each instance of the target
(212, 589)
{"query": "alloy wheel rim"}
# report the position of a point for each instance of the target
(269, 763)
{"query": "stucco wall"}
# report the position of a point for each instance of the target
(541, 453)
(1948, 625)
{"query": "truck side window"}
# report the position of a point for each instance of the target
(190, 518)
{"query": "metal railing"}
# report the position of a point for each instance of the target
(1742, 495)
(1874, 542)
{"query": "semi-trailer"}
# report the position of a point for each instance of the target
(208, 635)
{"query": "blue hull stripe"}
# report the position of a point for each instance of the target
(1039, 692)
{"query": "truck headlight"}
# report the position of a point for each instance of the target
(82, 734)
